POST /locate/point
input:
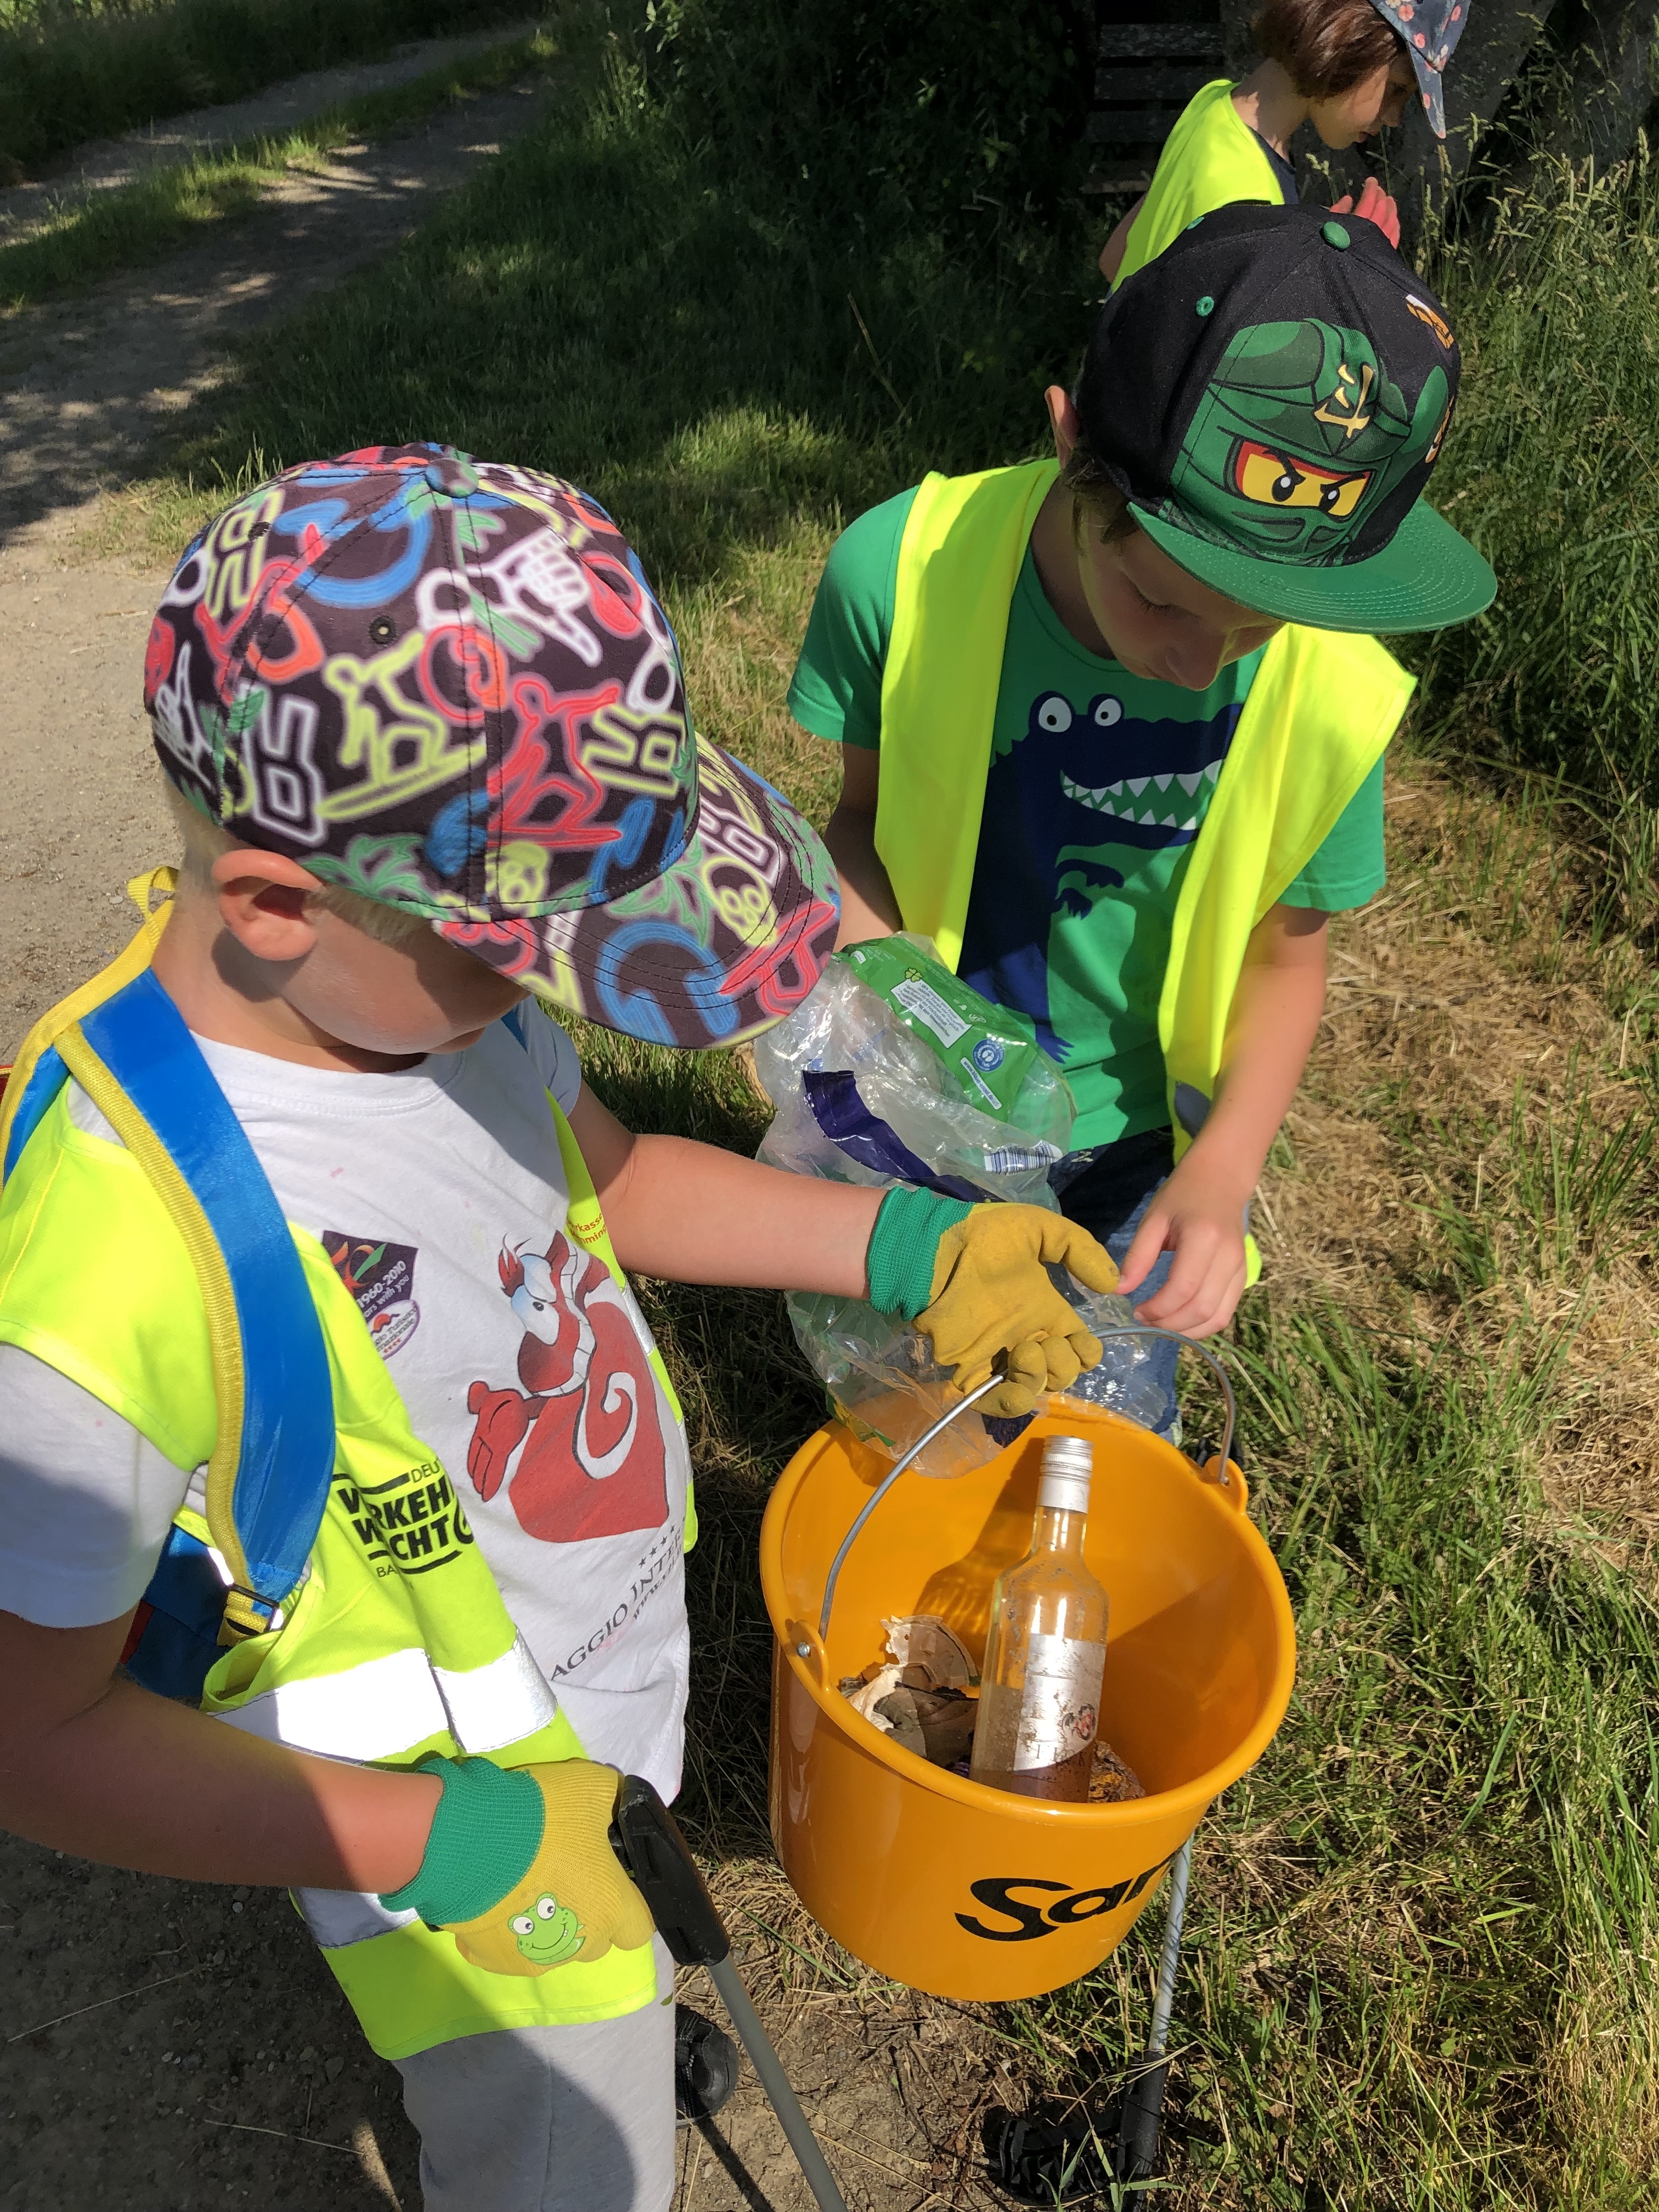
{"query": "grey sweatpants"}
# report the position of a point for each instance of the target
(550, 2119)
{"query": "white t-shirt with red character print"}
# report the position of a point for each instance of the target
(439, 1194)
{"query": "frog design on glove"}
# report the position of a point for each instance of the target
(548, 1933)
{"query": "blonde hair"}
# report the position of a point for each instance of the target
(203, 842)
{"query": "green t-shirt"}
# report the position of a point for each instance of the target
(1099, 783)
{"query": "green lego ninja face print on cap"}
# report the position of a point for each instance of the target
(1300, 436)
(1271, 395)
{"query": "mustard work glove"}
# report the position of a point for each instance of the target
(974, 1279)
(519, 1866)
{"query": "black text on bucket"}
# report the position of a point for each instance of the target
(1063, 1910)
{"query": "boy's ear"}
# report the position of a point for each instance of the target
(1062, 419)
(263, 901)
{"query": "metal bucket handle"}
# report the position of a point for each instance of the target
(973, 1399)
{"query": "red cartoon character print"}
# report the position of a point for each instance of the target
(580, 1446)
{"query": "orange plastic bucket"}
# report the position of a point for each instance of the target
(937, 1881)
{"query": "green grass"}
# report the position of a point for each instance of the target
(74, 69)
(1553, 468)
(1421, 1964)
(623, 303)
(130, 225)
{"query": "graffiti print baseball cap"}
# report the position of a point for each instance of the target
(446, 685)
(1271, 394)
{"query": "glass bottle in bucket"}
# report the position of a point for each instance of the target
(1045, 1653)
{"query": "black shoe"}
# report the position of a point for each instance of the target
(705, 2067)
(1061, 2153)
(1053, 2155)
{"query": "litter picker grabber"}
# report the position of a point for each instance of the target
(646, 1837)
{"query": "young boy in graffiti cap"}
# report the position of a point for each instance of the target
(1107, 735)
(345, 1494)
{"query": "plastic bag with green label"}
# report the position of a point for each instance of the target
(895, 1071)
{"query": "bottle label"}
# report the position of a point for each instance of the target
(1058, 1706)
(988, 1050)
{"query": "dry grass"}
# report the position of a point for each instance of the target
(1427, 1178)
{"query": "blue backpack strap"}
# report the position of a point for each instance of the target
(45, 1079)
(273, 1460)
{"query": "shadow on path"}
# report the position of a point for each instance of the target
(86, 383)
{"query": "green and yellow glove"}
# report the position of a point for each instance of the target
(974, 1280)
(519, 1866)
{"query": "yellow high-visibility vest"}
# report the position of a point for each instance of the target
(387, 1648)
(1320, 712)
(1209, 160)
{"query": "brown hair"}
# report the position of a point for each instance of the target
(1326, 46)
(1097, 495)
(204, 841)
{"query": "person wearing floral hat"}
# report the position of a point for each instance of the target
(1348, 67)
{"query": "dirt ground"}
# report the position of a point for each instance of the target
(87, 382)
(166, 2046)
(85, 386)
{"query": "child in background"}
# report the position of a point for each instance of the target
(343, 1493)
(1347, 66)
(1104, 738)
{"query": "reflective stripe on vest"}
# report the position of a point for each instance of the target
(394, 1641)
(1322, 705)
(375, 1710)
(1209, 159)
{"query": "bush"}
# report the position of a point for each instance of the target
(862, 115)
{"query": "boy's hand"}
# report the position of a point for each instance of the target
(1198, 1215)
(1373, 205)
(519, 1866)
(974, 1280)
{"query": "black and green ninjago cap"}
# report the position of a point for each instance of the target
(1272, 393)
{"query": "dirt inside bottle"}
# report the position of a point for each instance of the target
(1065, 1782)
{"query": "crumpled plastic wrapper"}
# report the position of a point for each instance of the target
(919, 1694)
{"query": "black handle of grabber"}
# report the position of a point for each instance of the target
(646, 1837)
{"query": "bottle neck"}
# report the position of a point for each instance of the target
(1058, 1533)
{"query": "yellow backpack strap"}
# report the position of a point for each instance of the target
(23, 1100)
(585, 1223)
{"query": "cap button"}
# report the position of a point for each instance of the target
(1334, 235)
(451, 476)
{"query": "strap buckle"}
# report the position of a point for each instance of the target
(247, 1613)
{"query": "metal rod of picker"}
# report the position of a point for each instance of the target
(773, 2079)
(1143, 2099)
(646, 1837)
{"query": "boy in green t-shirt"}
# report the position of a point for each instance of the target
(1084, 747)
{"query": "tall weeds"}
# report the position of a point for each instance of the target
(1552, 467)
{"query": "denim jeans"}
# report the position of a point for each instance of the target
(1108, 1190)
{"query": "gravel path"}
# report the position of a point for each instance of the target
(109, 161)
(86, 382)
(86, 385)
